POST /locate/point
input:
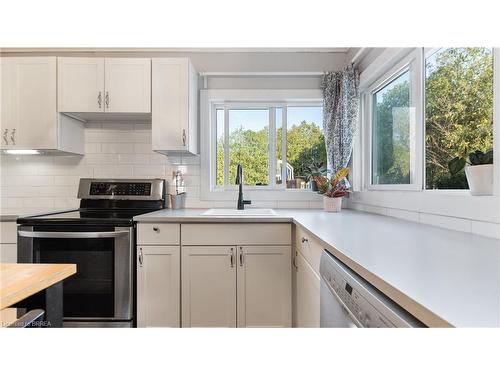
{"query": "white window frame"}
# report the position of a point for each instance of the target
(407, 203)
(412, 63)
(210, 100)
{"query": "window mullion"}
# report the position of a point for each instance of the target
(272, 147)
(283, 146)
(226, 146)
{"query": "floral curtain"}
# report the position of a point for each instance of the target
(340, 115)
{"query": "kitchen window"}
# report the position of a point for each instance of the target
(433, 105)
(279, 142)
(278, 145)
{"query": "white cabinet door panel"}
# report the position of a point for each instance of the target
(28, 115)
(264, 286)
(208, 286)
(158, 286)
(80, 84)
(8, 253)
(170, 103)
(127, 85)
(307, 294)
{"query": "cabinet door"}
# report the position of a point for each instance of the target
(80, 84)
(8, 253)
(28, 115)
(208, 286)
(307, 294)
(127, 85)
(170, 109)
(158, 286)
(264, 286)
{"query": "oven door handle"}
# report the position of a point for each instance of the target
(30, 234)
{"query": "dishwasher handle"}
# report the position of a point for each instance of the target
(34, 234)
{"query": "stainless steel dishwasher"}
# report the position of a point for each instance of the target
(347, 300)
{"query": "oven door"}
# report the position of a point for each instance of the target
(101, 289)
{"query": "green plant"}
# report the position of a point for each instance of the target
(477, 157)
(316, 169)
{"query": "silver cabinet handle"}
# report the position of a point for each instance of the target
(241, 257)
(303, 239)
(107, 99)
(183, 137)
(26, 233)
(4, 136)
(13, 136)
(140, 257)
(99, 99)
(295, 260)
(231, 257)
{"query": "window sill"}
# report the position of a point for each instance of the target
(262, 194)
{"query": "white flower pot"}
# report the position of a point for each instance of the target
(480, 179)
(332, 204)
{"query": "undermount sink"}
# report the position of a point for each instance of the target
(235, 212)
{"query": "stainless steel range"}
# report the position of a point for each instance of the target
(99, 238)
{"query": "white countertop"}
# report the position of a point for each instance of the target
(443, 277)
(11, 214)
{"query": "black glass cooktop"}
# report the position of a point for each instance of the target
(86, 216)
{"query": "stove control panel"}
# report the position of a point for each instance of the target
(120, 188)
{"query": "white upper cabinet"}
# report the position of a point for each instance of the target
(29, 118)
(127, 85)
(111, 85)
(80, 84)
(174, 107)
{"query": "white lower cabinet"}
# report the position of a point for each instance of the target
(236, 286)
(158, 286)
(204, 281)
(208, 286)
(8, 242)
(264, 286)
(8, 253)
(307, 294)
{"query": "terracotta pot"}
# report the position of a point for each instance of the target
(332, 204)
(480, 179)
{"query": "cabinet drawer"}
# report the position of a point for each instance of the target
(309, 246)
(8, 232)
(158, 234)
(236, 234)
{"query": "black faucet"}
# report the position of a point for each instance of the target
(239, 181)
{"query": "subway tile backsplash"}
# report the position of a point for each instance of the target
(111, 150)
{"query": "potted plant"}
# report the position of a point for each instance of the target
(332, 190)
(315, 169)
(479, 172)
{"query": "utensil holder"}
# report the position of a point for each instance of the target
(177, 201)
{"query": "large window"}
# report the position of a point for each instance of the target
(430, 107)
(279, 146)
(458, 110)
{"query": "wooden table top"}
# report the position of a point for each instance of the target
(21, 280)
